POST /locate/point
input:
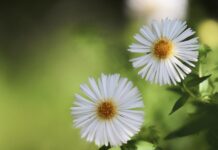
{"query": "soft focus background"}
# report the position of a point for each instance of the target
(48, 48)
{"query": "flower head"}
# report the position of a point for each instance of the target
(107, 113)
(167, 51)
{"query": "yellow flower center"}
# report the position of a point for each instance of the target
(163, 48)
(106, 110)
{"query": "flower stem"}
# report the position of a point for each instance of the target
(189, 91)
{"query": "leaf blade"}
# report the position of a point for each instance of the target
(179, 103)
(196, 81)
(188, 129)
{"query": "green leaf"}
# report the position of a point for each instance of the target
(184, 131)
(130, 145)
(191, 127)
(216, 79)
(149, 134)
(175, 89)
(105, 147)
(179, 103)
(212, 138)
(158, 148)
(204, 118)
(197, 80)
(204, 50)
(214, 98)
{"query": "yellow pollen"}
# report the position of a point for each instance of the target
(163, 49)
(106, 110)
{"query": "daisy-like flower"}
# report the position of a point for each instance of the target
(167, 49)
(107, 114)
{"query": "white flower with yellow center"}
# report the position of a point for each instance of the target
(108, 114)
(167, 51)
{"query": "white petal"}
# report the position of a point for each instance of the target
(146, 32)
(95, 88)
(83, 101)
(142, 40)
(88, 92)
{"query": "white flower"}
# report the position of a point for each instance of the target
(107, 114)
(157, 9)
(167, 51)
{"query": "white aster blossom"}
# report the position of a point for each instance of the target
(107, 112)
(167, 51)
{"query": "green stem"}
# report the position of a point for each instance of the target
(189, 91)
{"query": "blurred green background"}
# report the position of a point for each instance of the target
(48, 48)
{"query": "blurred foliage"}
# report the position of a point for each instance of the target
(204, 117)
(148, 137)
(48, 48)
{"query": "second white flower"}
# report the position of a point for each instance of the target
(168, 51)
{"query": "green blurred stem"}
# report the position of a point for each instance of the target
(189, 91)
(200, 75)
